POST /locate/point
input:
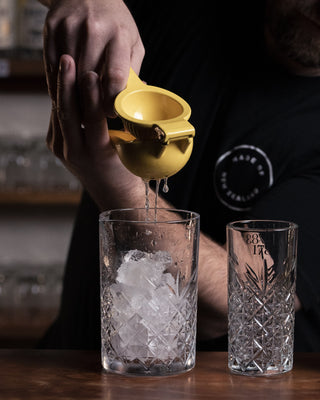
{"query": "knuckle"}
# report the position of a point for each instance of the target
(140, 47)
(68, 24)
(116, 75)
(55, 25)
(139, 50)
(120, 30)
(94, 28)
(50, 23)
(52, 26)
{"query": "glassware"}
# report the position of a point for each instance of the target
(36, 294)
(262, 258)
(28, 165)
(148, 261)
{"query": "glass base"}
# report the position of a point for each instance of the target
(146, 367)
(255, 371)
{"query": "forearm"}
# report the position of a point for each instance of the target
(213, 289)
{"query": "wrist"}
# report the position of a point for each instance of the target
(121, 191)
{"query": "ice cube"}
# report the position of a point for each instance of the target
(163, 258)
(133, 255)
(145, 301)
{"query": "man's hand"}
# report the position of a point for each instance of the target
(78, 136)
(100, 35)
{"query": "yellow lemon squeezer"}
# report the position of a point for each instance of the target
(158, 139)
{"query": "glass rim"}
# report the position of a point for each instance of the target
(104, 215)
(262, 225)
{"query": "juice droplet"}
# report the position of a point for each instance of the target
(165, 188)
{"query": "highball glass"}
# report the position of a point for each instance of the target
(262, 257)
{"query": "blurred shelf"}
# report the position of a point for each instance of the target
(21, 67)
(40, 197)
(22, 75)
(24, 334)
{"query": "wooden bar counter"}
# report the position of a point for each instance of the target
(67, 375)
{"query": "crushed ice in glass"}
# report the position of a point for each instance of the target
(147, 310)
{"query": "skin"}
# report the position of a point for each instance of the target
(100, 35)
(78, 132)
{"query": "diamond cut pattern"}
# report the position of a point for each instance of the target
(261, 323)
(163, 340)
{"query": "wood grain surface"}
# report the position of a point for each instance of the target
(59, 374)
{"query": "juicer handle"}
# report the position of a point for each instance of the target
(118, 137)
(174, 130)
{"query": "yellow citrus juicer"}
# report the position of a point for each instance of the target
(158, 139)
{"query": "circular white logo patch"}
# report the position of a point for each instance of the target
(241, 175)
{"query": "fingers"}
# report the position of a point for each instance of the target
(50, 62)
(69, 116)
(115, 75)
(137, 55)
(91, 56)
(61, 35)
(100, 36)
(93, 114)
(60, 137)
(68, 111)
(120, 56)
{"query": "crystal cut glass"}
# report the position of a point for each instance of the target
(261, 288)
(148, 292)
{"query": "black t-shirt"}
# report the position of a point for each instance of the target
(256, 152)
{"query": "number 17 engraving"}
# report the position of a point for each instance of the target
(258, 249)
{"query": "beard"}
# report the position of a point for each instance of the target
(295, 28)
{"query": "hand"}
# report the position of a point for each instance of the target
(78, 135)
(100, 35)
